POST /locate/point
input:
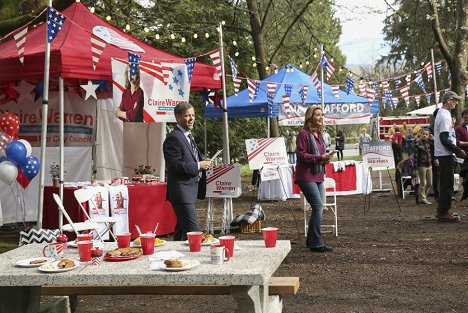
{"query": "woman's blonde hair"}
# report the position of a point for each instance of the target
(308, 119)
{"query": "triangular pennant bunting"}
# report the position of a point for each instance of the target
(97, 47)
(55, 22)
(237, 83)
(190, 64)
(316, 83)
(234, 69)
(335, 90)
(215, 56)
(349, 85)
(20, 38)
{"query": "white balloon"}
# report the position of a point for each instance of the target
(8, 172)
(27, 145)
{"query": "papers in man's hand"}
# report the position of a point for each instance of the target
(216, 154)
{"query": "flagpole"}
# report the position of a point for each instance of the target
(436, 95)
(226, 154)
(45, 109)
(322, 100)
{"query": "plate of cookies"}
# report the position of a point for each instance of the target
(174, 265)
(63, 265)
(34, 262)
(122, 254)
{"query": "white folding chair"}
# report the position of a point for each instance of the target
(77, 228)
(327, 204)
(403, 181)
(85, 195)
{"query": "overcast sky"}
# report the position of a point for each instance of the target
(362, 39)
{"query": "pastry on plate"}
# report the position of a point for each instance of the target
(39, 261)
(123, 252)
(65, 263)
(173, 263)
(207, 238)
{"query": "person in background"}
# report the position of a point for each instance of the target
(186, 171)
(444, 148)
(391, 131)
(310, 173)
(340, 144)
(416, 130)
(397, 143)
(409, 141)
(404, 133)
(326, 139)
(461, 133)
(364, 137)
(422, 163)
(133, 98)
(435, 162)
(291, 147)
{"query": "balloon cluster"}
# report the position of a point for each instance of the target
(16, 162)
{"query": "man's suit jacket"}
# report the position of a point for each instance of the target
(184, 184)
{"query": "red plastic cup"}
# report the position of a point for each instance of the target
(123, 240)
(228, 242)
(84, 250)
(147, 243)
(84, 237)
(194, 240)
(269, 236)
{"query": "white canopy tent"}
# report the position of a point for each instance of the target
(426, 110)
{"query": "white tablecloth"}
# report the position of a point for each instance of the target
(278, 189)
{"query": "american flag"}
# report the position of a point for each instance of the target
(438, 67)
(253, 87)
(55, 22)
(349, 85)
(303, 92)
(420, 81)
(288, 89)
(428, 68)
(316, 83)
(215, 56)
(97, 47)
(428, 99)
(328, 66)
(385, 85)
(405, 94)
(395, 101)
(396, 81)
(234, 69)
(134, 63)
(362, 88)
(388, 97)
(408, 78)
(418, 100)
(335, 90)
(287, 107)
(20, 38)
(271, 88)
(190, 63)
(370, 93)
(236, 82)
(375, 86)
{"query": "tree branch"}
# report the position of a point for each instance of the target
(266, 14)
(438, 34)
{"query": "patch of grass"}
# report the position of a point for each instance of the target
(8, 243)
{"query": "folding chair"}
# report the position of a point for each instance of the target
(85, 195)
(328, 183)
(404, 183)
(77, 228)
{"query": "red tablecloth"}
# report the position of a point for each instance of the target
(147, 206)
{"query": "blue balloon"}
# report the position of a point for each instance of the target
(31, 167)
(16, 152)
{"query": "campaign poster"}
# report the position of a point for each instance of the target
(266, 151)
(378, 155)
(223, 181)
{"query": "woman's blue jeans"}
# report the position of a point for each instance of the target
(314, 193)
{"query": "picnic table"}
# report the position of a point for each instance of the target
(246, 276)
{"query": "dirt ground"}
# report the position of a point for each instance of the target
(384, 260)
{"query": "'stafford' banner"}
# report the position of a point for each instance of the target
(334, 114)
(223, 181)
(266, 151)
(378, 155)
(164, 85)
(79, 118)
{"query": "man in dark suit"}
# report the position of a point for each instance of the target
(186, 178)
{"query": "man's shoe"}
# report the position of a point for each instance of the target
(448, 218)
(424, 201)
(321, 249)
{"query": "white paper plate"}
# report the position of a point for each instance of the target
(52, 267)
(214, 242)
(27, 262)
(186, 265)
(156, 244)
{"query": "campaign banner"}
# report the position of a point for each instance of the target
(269, 173)
(223, 181)
(164, 85)
(334, 114)
(79, 117)
(378, 155)
(266, 151)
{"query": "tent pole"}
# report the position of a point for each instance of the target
(226, 154)
(45, 109)
(61, 143)
(436, 95)
(322, 99)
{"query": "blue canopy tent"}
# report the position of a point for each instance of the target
(239, 106)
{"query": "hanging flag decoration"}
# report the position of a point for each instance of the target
(405, 94)
(316, 83)
(253, 87)
(396, 81)
(370, 93)
(287, 107)
(237, 83)
(271, 91)
(20, 39)
(418, 100)
(215, 56)
(428, 68)
(55, 22)
(328, 66)
(388, 97)
(349, 85)
(190, 63)
(420, 81)
(395, 102)
(438, 67)
(428, 99)
(375, 85)
(335, 90)
(134, 63)
(408, 78)
(385, 85)
(97, 47)
(362, 88)
(234, 69)
(303, 92)
(288, 89)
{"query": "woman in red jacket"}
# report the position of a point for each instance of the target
(131, 106)
(310, 170)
